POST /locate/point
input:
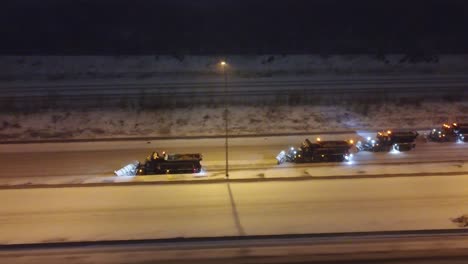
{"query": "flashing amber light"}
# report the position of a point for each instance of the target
(351, 141)
(389, 132)
(454, 124)
(318, 139)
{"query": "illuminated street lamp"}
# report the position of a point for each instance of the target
(223, 66)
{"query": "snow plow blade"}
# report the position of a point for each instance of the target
(128, 170)
(281, 157)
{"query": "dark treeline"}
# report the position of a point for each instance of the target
(78, 27)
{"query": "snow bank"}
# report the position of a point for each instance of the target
(243, 120)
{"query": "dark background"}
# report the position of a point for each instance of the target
(94, 27)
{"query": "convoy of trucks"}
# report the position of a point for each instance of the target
(319, 151)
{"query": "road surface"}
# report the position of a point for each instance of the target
(455, 84)
(231, 209)
(241, 91)
(102, 158)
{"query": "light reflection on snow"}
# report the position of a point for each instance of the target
(460, 140)
(124, 179)
(202, 173)
(394, 152)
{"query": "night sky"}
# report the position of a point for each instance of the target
(79, 27)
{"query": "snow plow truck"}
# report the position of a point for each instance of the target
(389, 141)
(455, 132)
(163, 164)
(320, 151)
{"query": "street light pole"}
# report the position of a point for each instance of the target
(223, 65)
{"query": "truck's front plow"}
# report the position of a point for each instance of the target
(287, 156)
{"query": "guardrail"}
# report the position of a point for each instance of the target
(247, 240)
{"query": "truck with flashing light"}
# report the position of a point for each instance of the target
(320, 151)
(455, 132)
(388, 141)
(447, 133)
(163, 164)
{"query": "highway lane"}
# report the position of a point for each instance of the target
(257, 86)
(231, 209)
(37, 160)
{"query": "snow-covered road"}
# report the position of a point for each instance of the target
(230, 209)
(102, 158)
(224, 209)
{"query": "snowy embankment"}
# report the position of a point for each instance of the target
(243, 120)
(208, 121)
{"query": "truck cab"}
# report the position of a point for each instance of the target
(447, 133)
